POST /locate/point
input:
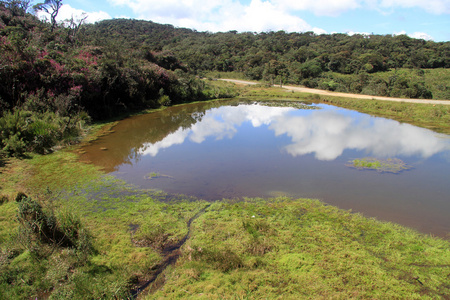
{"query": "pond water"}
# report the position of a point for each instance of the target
(233, 149)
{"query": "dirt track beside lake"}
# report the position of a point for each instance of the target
(336, 94)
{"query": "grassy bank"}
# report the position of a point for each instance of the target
(115, 237)
(291, 249)
(127, 229)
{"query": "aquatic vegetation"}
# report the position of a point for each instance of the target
(390, 165)
(288, 103)
(155, 175)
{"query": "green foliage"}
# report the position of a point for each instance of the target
(299, 58)
(58, 71)
(24, 131)
(12, 130)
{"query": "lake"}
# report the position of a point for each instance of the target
(235, 149)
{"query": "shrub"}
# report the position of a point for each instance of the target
(3, 199)
(24, 131)
(39, 227)
(13, 132)
(20, 196)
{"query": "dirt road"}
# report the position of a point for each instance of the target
(357, 96)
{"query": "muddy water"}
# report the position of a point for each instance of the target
(230, 149)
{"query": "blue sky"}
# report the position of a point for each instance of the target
(427, 19)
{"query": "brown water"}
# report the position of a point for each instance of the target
(228, 150)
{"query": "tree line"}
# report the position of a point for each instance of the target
(329, 61)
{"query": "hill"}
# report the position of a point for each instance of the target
(336, 62)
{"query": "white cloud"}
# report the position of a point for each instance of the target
(416, 35)
(326, 134)
(67, 12)
(264, 15)
(421, 35)
(220, 15)
(351, 32)
(220, 123)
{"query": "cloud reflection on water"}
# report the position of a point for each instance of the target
(219, 123)
(328, 133)
(325, 133)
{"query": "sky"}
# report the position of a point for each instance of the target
(425, 19)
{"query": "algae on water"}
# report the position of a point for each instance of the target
(389, 165)
(155, 175)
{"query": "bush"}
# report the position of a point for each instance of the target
(39, 228)
(24, 131)
(20, 196)
(3, 199)
(13, 133)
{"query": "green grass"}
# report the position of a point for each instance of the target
(156, 175)
(290, 249)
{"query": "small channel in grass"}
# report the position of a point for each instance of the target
(233, 149)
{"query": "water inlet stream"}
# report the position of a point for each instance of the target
(170, 253)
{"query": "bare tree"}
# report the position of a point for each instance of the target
(74, 26)
(51, 7)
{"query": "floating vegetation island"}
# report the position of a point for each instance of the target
(390, 165)
(155, 175)
(287, 103)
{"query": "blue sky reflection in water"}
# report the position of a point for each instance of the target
(256, 150)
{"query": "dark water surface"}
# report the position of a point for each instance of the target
(230, 149)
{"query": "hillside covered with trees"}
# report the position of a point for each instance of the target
(329, 61)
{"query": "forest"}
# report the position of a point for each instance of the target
(337, 62)
(56, 77)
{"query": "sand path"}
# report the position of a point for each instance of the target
(348, 95)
